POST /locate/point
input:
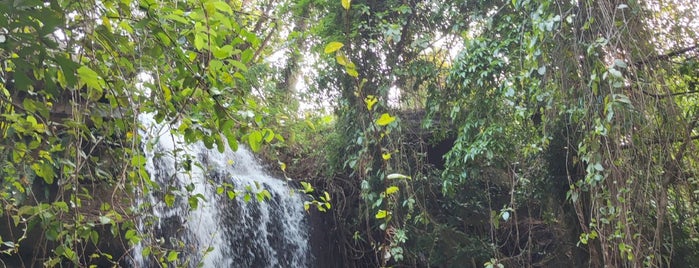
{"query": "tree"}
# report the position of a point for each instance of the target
(76, 75)
(593, 83)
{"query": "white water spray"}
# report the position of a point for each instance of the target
(220, 232)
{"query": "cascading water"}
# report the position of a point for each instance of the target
(220, 232)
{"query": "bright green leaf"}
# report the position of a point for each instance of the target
(341, 59)
(282, 166)
(45, 171)
(239, 65)
(307, 188)
(138, 160)
(230, 194)
(352, 72)
(391, 190)
(386, 156)
(176, 18)
(222, 52)
(370, 100)
(224, 7)
(255, 141)
(199, 41)
(169, 199)
(172, 256)
(332, 47)
(381, 214)
(167, 93)
(93, 82)
(385, 119)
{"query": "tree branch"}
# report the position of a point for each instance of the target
(665, 56)
(669, 94)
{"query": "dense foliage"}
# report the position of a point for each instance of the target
(456, 133)
(76, 75)
(573, 125)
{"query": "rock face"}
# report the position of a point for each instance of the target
(35, 248)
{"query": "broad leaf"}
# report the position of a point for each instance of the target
(391, 190)
(385, 119)
(370, 101)
(346, 4)
(332, 47)
(255, 141)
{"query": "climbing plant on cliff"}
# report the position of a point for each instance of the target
(589, 74)
(75, 76)
(377, 49)
(574, 123)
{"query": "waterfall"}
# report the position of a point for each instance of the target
(222, 231)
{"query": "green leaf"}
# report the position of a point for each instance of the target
(92, 80)
(138, 160)
(268, 135)
(169, 199)
(307, 188)
(341, 59)
(346, 4)
(391, 190)
(193, 202)
(199, 40)
(167, 93)
(61, 206)
(255, 141)
(230, 194)
(386, 156)
(45, 171)
(385, 119)
(381, 214)
(224, 7)
(130, 234)
(146, 251)
(332, 47)
(370, 100)
(176, 18)
(247, 55)
(172, 256)
(352, 72)
(222, 52)
(239, 65)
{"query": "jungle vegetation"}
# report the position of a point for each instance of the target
(455, 133)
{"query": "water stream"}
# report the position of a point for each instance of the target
(220, 232)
